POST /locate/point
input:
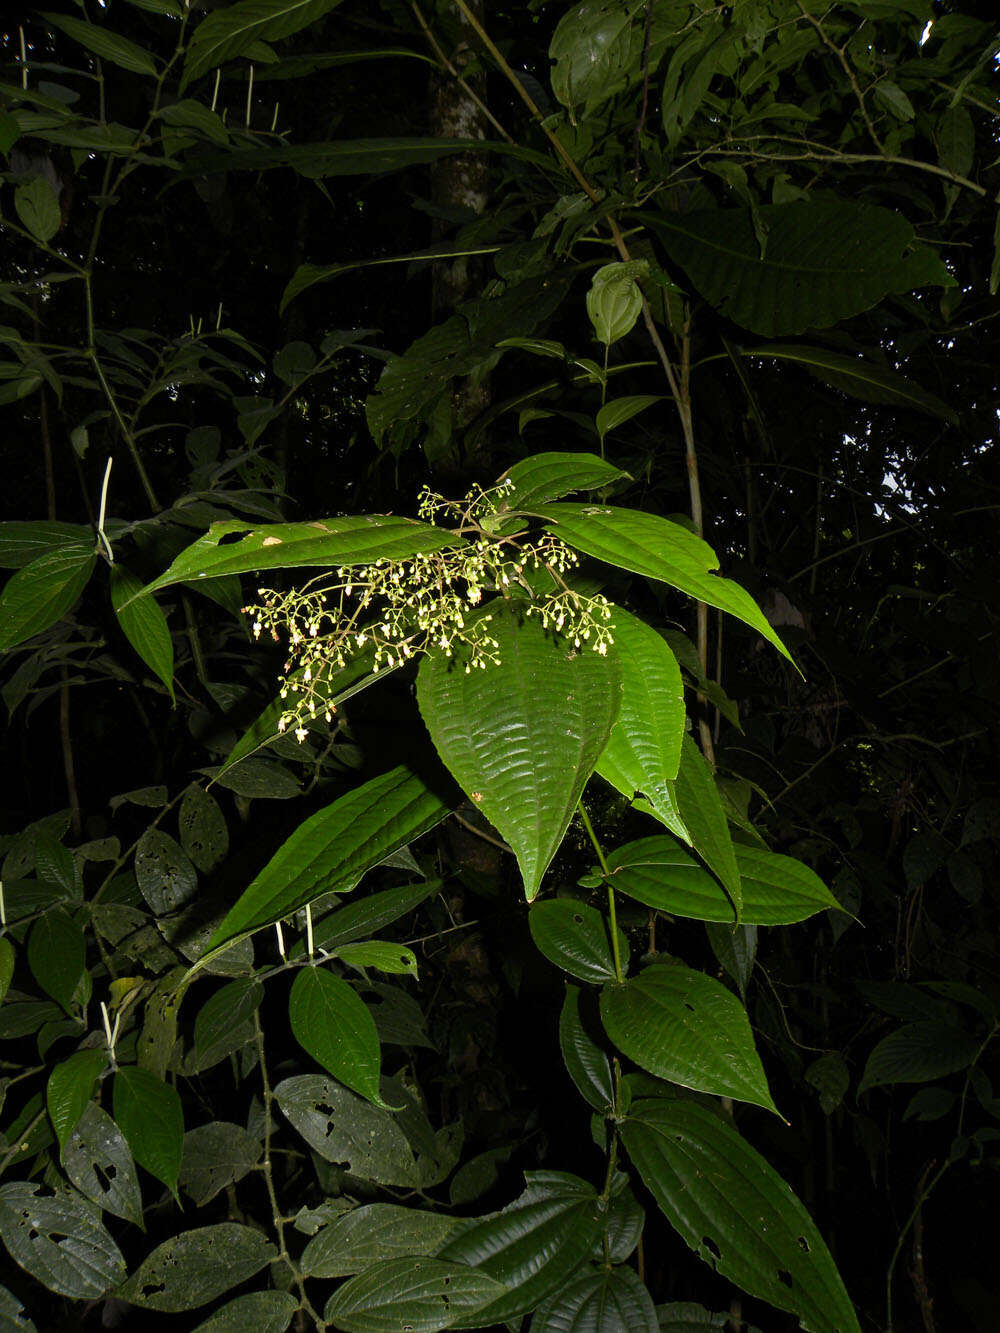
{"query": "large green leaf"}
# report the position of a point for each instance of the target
(600, 49)
(522, 738)
(735, 1211)
(144, 625)
(700, 807)
(105, 44)
(653, 546)
(330, 851)
(550, 476)
(202, 828)
(98, 1162)
(149, 1113)
(348, 1130)
(22, 541)
(57, 954)
(644, 749)
(599, 1300)
(331, 1021)
(70, 1088)
(41, 593)
(372, 1235)
(918, 1053)
(331, 541)
(558, 1216)
(421, 1294)
(166, 878)
(260, 1311)
(197, 1266)
(225, 1022)
(777, 890)
(358, 920)
(58, 1238)
(215, 1157)
(575, 938)
(824, 262)
(686, 1028)
(227, 33)
(586, 1064)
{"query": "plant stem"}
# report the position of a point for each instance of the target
(612, 914)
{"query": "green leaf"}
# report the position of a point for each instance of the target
(13, 1317)
(354, 157)
(918, 1053)
(194, 1268)
(332, 541)
(7, 961)
(98, 1162)
(307, 275)
(58, 1238)
(57, 953)
(955, 136)
(216, 1156)
(10, 132)
(586, 1063)
(41, 593)
(619, 410)
(831, 1078)
(689, 1029)
(687, 1317)
(600, 1300)
(202, 829)
(37, 205)
(331, 1021)
(558, 1216)
(144, 625)
(421, 1294)
(550, 476)
(613, 307)
(782, 885)
(224, 1022)
(379, 954)
(735, 1211)
(361, 918)
(228, 33)
(653, 546)
(166, 878)
(704, 815)
(22, 541)
(330, 851)
(553, 705)
(600, 49)
(104, 44)
(257, 779)
(373, 1235)
(348, 1130)
(825, 261)
(736, 949)
(892, 96)
(864, 379)
(644, 749)
(575, 938)
(261, 1311)
(70, 1088)
(189, 114)
(149, 1113)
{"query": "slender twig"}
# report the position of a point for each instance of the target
(612, 914)
(841, 54)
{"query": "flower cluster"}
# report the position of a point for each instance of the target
(392, 610)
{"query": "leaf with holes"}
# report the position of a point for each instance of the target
(586, 1064)
(144, 625)
(13, 1317)
(70, 1088)
(98, 1162)
(57, 953)
(167, 879)
(202, 828)
(575, 938)
(599, 1300)
(331, 1021)
(58, 1238)
(735, 1211)
(216, 1156)
(149, 1113)
(421, 1294)
(689, 1029)
(348, 1130)
(379, 954)
(40, 594)
(522, 738)
(196, 1267)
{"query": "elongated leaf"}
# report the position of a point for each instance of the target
(777, 890)
(58, 1238)
(348, 1130)
(37, 205)
(599, 1300)
(558, 1215)
(653, 546)
(331, 1021)
(863, 379)
(331, 541)
(689, 1029)
(149, 1113)
(57, 954)
(202, 828)
(7, 960)
(228, 33)
(223, 1024)
(553, 707)
(421, 1294)
(619, 410)
(586, 1063)
(261, 1311)
(105, 44)
(195, 1267)
(704, 815)
(917, 1053)
(735, 1211)
(358, 919)
(22, 541)
(575, 938)
(825, 261)
(644, 749)
(41, 593)
(98, 1162)
(13, 1317)
(372, 1235)
(380, 955)
(144, 625)
(166, 878)
(355, 157)
(216, 1156)
(307, 275)
(330, 851)
(70, 1088)
(545, 477)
